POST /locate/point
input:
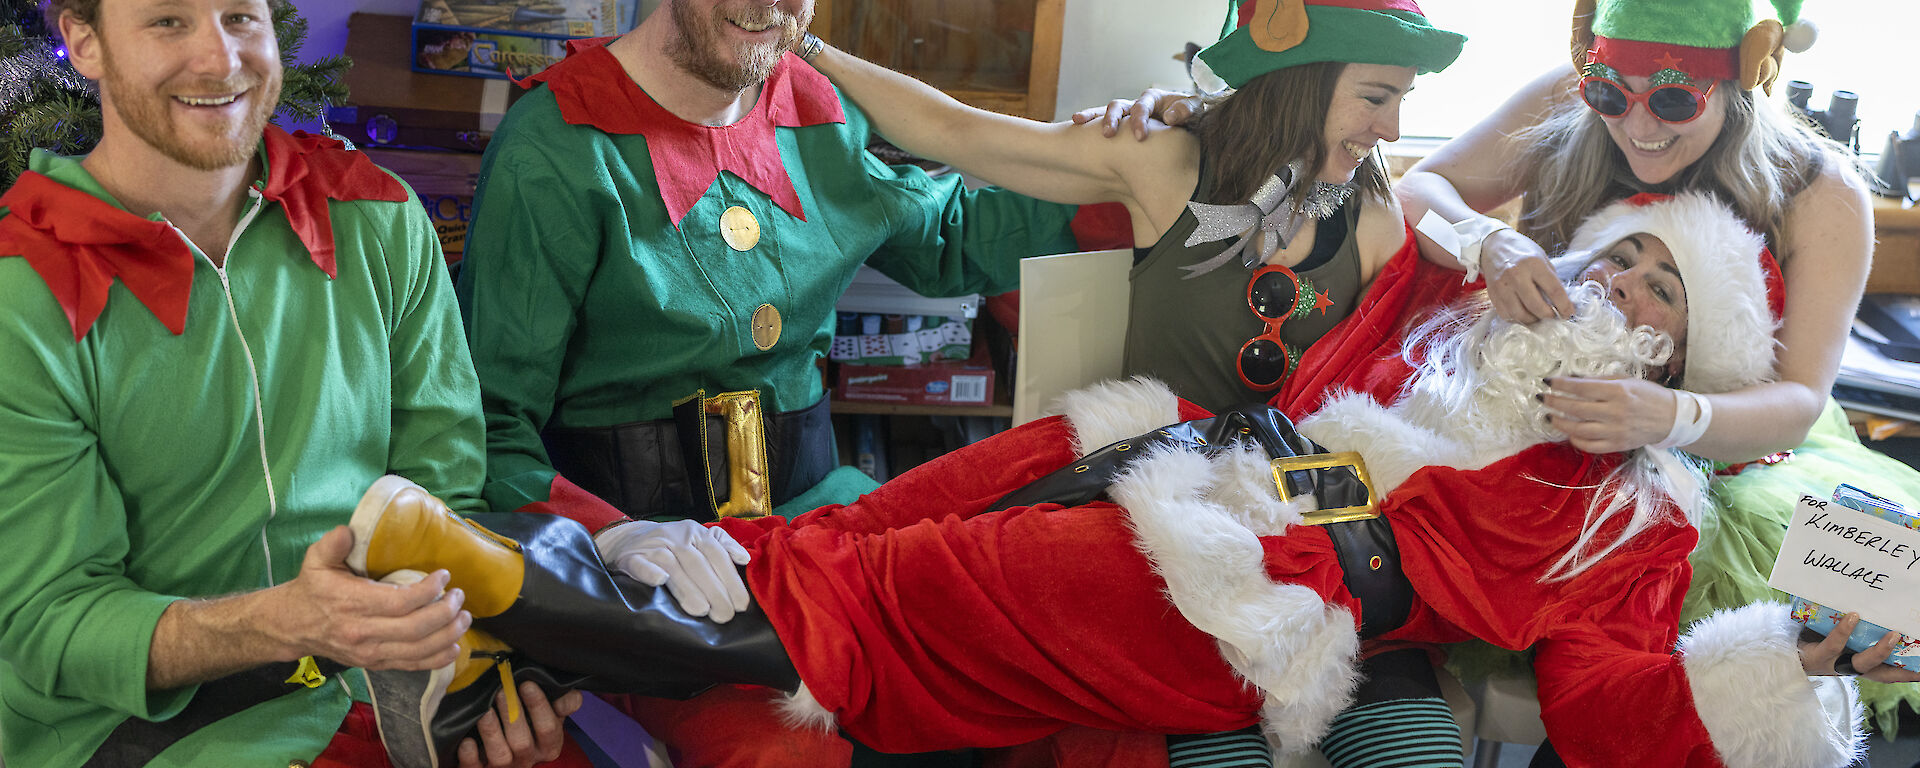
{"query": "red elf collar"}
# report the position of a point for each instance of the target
(592, 89)
(304, 171)
(79, 243)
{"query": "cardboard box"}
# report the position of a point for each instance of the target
(390, 105)
(444, 183)
(492, 38)
(1822, 619)
(956, 382)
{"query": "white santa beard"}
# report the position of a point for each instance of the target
(1471, 401)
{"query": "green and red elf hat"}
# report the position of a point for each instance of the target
(1275, 34)
(1700, 39)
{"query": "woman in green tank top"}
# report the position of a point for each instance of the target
(1230, 285)
(1316, 89)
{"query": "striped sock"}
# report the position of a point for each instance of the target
(1398, 733)
(1244, 748)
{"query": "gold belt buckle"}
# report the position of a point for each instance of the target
(749, 481)
(1285, 464)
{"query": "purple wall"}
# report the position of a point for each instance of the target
(327, 27)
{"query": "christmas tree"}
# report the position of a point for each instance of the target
(45, 104)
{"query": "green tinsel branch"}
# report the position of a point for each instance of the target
(308, 89)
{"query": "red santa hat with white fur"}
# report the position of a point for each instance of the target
(1724, 266)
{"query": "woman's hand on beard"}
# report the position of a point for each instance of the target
(1520, 281)
(1609, 415)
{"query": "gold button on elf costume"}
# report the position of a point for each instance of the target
(740, 229)
(765, 326)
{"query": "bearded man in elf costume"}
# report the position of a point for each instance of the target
(662, 228)
(673, 213)
(942, 610)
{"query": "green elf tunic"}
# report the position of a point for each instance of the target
(178, 430)
(620, 259)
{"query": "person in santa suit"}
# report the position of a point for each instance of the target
(991, 597)
(1254, 232)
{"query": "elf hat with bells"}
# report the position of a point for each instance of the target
(1275, 34)
(1702, 39)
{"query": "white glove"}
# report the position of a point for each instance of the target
(694, 562)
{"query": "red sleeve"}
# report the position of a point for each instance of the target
(574, 503)
(963, 483)
(1603, 677)
(1362, 352)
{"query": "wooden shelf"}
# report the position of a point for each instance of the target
(1871, 427)
(1896, 258)
(999, 55)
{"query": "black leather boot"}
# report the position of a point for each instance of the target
(571, 625)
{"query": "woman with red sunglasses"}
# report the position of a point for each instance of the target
(1661, 97)
(1281, 174)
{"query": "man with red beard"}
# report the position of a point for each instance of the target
(215, 333)
(662, 229)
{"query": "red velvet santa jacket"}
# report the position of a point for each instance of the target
(918, 623)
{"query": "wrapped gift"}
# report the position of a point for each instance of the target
(1822, 619)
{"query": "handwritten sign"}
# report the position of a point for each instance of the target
(1849, 560)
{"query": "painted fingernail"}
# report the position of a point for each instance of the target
(1540, 396)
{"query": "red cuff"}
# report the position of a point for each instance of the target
(570, 501)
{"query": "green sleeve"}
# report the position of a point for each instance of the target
(530, 255)
(72, 624)
(437, 428)
(951, 241)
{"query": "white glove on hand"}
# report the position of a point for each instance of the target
(694, 562)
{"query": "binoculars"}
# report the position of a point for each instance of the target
(1899, 162)
(1838, 120)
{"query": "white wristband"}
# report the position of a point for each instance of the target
(1473, 233)
(1692, 413)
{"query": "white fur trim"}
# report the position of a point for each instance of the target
(1393, 446)
(1111, 411)
(1245, 490)
(1757, 703)
(1730, 341)
(1300, 652)
(802, 712)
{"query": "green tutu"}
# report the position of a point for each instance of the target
(1740, 534)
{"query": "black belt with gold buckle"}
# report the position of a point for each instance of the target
(1347, 509)
(662, 470)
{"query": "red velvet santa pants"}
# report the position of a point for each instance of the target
(922, 624)
(993, 630)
